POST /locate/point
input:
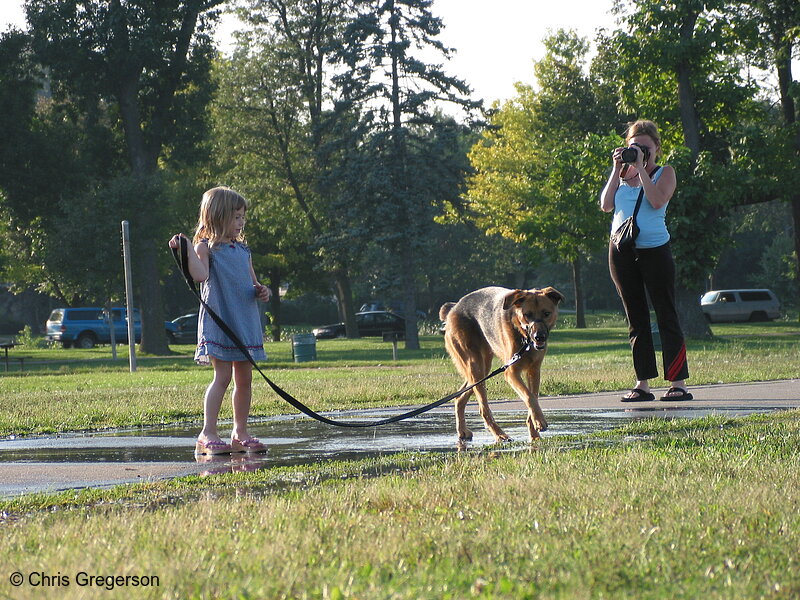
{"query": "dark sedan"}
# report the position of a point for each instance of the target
(185, 330)
(371, 323)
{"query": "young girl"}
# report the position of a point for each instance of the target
(221, 262)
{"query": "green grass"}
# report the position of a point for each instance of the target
(706, 508)
(658, 509)
(58, 393)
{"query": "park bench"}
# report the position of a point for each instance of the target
(8, 345)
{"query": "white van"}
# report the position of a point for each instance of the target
(740, 305)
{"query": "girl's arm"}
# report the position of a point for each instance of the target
(198, 268)
(197, 257)
(262, 292)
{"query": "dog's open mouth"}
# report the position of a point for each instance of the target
(539, 345)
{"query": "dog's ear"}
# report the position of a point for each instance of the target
(445, 310)
(514, 297)
(553, 294)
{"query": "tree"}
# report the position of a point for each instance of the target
(147, 60)
(397, 94)
(262, 152)
(51, 158)
(539, 167)
(770, 30)
(294, 43)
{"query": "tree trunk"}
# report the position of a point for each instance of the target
(693, 322)
(154, 337)
(796, 220)
(577, 281)
(409, 297)
(344, 296)
(145, 269)
(686, 96)
(400, 184)
(783, 65)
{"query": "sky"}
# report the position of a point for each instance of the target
(496, 41)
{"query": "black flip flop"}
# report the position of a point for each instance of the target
(684, 395)
(641, 396)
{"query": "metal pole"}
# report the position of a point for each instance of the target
(126, 253)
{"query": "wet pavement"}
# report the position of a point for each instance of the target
(72, 461)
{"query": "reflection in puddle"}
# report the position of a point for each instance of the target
(231, 463)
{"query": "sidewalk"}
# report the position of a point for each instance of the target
(766, 394)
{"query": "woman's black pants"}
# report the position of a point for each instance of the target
(637, 274)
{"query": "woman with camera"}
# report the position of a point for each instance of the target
(646, 266)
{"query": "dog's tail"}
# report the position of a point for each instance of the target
(445, 310)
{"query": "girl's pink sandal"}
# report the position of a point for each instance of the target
(212, 447)
(251, 445)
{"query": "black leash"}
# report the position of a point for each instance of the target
(182, 259)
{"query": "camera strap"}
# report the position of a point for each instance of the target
(641, 195)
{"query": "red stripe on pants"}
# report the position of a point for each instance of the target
(677, 365)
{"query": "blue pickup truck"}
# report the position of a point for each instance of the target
(87, 327)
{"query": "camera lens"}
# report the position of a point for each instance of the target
(628, 155)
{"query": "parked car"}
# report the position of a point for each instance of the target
(740, 305)
(87, 327)
(394, 307)
(371, 323)
(185, 329)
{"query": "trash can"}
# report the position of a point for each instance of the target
(656, 336)
(304, 347)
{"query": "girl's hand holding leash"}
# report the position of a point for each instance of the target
(262, 292)
(175, 241)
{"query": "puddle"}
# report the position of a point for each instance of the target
(292, 440)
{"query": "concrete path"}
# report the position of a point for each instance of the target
(27, 477)
(767, 395)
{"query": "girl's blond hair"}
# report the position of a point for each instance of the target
(216, 211)
(644, 127)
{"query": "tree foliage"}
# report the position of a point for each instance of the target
(396, 95)
(284, 67)
(136, 72)
(539, 166)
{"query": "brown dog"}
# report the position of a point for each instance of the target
(496, 321)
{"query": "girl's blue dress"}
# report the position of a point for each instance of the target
(230, 293)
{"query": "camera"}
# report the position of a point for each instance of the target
(628, 155)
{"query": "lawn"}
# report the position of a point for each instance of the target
(706, 508)
(658, 509)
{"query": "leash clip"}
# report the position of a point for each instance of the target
(518, 355)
